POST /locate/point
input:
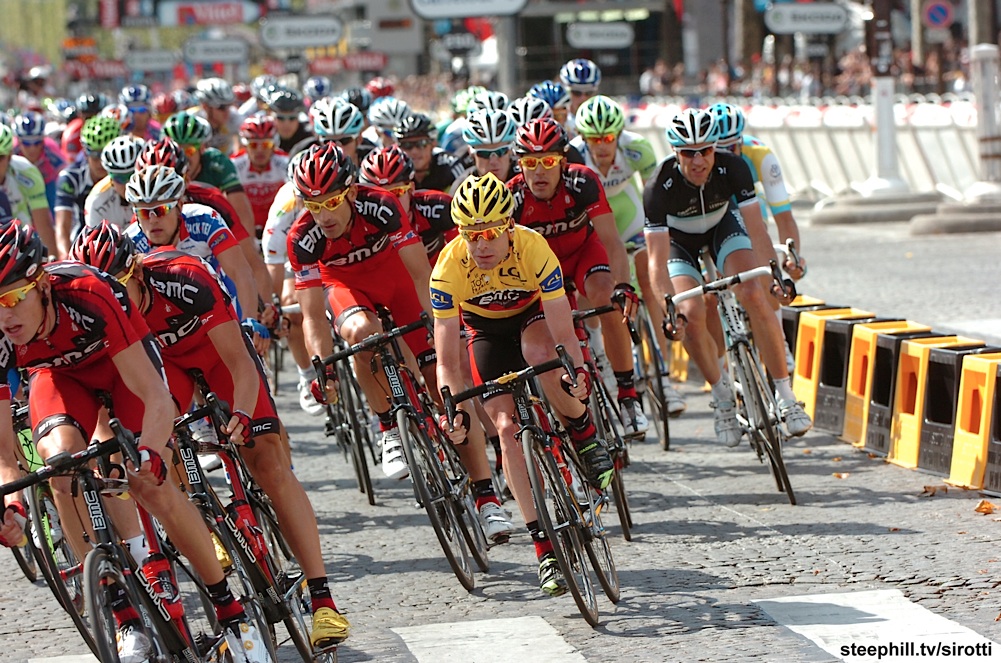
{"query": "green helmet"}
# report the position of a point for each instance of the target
(599, 116)
(6, 140)
(187, 129)
(461, 99)
(98, 132)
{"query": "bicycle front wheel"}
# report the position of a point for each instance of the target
(432, 491)
(559, 519)
(651, 368)
(605, 419)
(762, 412)
(102, 574)
(361, 434)
(25, 559)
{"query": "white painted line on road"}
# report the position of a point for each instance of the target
(514, 640)
(65, 659)
(836, 622)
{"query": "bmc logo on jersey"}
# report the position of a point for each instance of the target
(553, 282)
(440, 301)
(371, 208)
(434, 211)
(361, 254)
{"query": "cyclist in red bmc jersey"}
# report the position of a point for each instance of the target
(197, 329)
(347, 235)
(391, 169)
(76, 332)
(566, 204)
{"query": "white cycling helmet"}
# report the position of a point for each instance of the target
(488, 100)
(693, 126)
(154, 185)
(215, 92)
(119, 156)
(526, 109)
(489, 127)
(387, 112)
(336, 117)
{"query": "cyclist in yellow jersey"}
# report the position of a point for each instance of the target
(498, 280)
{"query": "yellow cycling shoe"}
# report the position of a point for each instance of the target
(329, 628)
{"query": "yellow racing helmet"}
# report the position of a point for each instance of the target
(481, 200)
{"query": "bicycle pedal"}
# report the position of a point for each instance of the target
(329, 649)
(500, 539)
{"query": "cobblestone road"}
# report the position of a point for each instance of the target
(711, 534)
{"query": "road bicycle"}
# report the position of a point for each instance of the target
(440, 481)
(569, 509)
(757, 408)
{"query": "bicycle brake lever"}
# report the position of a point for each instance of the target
(561, 352)
(449, 403)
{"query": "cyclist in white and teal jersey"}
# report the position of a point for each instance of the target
(617, 156)
(769, 186)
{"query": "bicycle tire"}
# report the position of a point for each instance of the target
(652, 371)
(289, 578)
(359, 429)
(100, 568)
(58, 564)
(595, 540)
(765, 423)
(617, 449)
(429, 482)
(25, 558)
(549, 490)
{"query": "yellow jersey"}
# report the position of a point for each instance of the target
(530, 272)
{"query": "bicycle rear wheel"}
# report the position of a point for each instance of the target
(101, 571)
(56, 561)
(763, 415)
(25, 558)
(559, 518)
(650, 366)
(432, 491)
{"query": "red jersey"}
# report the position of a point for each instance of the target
(565, 219)
(94, 320)
(71, 137)
(431, 217)
(210, 196)
(188, 301)
(366, 251)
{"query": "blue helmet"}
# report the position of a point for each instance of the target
(552, 93)
(30, 124)
(580, 73)
(316, 87)
(729, 121)
(693, 126)
(134, 95)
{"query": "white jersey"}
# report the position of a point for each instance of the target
(261, 186)
(104, 203)
(283, 213)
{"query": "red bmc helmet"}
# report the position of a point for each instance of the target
(324, 169)
(540, 136)
(21, 252)
(386, 166)
(104, 246)
(258, 127)
(163, 152)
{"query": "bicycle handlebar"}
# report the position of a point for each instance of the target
(601, 310)
(373, 341)
(65, 461)
(562, 361)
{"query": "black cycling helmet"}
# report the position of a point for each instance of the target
(417, 125)
(286, 101)
(21, 252)
(90, 103)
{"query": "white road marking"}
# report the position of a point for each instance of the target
(65, 659)
(877, 618)
(514, 640)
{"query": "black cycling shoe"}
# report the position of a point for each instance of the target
(598, 465)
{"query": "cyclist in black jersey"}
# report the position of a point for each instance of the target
(434, 168)
(699, 197)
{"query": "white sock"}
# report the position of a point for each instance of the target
(721, 390)
(784, 389)
(138, 548)
(306, 374)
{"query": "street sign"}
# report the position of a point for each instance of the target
(301, 31)
(821, 18)
(432, 10)
(937, 35)
(937, 14)
(227, 51)
(155, 60)
(600, 35)
(295, 63)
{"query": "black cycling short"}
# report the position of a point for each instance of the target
(724, 238)
(494, 344)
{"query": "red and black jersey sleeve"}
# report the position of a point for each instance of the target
(383, 211)
(306, 245)
(432, 219)
(587, 190)
(185, 287)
